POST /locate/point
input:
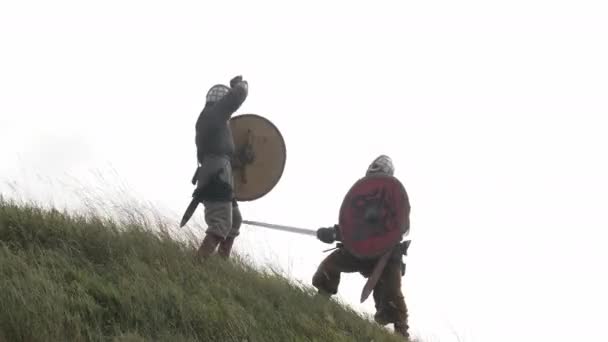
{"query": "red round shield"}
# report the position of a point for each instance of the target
(374, 216)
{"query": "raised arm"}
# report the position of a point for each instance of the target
(232, 101)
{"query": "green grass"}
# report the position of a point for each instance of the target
(76, 277)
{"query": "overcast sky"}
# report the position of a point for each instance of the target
(493, 112)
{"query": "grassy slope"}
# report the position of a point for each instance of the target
(75, 278)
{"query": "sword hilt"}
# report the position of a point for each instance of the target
(338, 245)
(403, 246)
(194, 177)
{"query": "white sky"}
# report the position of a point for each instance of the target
(493, 112)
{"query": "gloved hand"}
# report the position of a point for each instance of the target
(236, 80)
(327, 235)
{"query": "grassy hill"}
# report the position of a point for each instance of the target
(73, 277)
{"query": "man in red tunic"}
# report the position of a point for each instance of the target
(388, 298)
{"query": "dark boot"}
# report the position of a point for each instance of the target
(323, 294)
(381, 318)
(208, 246)
(225, 247)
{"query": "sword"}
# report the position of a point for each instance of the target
(371, 282)
(193, 204)
(378, 268)
(288, 229)
(282, 228)
(189, 212)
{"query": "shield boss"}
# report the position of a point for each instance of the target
(374, 215)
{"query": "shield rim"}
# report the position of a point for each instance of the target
(284, 146)
(342, 208)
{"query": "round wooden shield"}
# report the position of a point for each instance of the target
(259, 158)
(374, 215)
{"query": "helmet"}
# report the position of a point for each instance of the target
(382, 164)
(217, 92)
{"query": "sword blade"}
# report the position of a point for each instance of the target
(189, 211)
(371, 282)
(282, 228)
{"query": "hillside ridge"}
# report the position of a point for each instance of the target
(75, 277)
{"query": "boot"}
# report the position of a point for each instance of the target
(323, 294)
(225, 247)
(208, 246)
(401, 329)
(381, 318)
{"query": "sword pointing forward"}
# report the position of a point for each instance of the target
(371, 282)
(283, 228)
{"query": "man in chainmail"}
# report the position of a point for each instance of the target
(388, 298)
(214, 180)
